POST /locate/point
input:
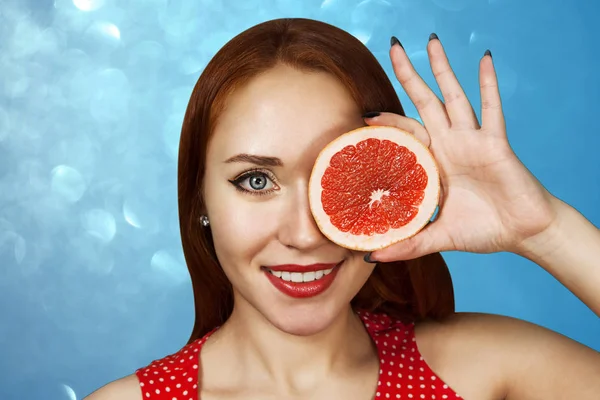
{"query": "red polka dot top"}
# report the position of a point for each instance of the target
(403, 373)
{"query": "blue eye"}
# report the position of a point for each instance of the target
(255, 182)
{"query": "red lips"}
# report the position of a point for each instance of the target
(303, 289)
(301, 268)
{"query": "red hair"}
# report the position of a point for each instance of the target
(410, 290)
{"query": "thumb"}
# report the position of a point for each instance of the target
(429, 240)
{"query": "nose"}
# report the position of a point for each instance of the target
(298, 228)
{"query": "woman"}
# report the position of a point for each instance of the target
(263, 108)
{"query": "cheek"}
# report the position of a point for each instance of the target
(241, 227)
(362, 272)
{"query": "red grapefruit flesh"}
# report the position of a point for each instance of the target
(372, 187)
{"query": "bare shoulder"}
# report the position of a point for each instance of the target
(126, 388)
(511, 358)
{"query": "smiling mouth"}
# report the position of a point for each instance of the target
(292, 281)
(300, 277)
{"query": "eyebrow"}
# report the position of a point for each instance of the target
(262, 161)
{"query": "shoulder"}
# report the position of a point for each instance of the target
(172, 374)
(518, 359)
(126, 388)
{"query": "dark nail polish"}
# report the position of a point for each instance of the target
(394, 40)
(435, 214)
(487, 53)
(371, 114)
(433, 36)
(368, 259)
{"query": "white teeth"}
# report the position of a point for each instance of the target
(309, 276)
(299, 277)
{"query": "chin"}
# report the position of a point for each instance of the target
(304, 319)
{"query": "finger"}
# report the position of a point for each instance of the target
(406, 124)
(458, 107)
(430, 108)
(430, 240)
(492, 118)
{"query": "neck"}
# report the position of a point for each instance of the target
(293, 362)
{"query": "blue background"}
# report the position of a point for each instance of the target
(92, 94)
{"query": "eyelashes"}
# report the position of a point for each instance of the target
(246, 176)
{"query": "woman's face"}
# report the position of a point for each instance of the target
(258, 167)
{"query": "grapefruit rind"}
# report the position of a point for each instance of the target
(376, 241)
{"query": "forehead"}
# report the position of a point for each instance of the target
(285, 113)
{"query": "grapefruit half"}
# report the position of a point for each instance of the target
(372, 187)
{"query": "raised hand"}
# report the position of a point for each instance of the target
(490, 202)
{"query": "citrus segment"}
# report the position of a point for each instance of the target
(372, 187)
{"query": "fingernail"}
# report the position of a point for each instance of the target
(394, 40)
(433, 36)
(368, 259)
(487, 53)
(435, 214)
(371, 114)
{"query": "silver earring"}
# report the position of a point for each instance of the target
(204, 221)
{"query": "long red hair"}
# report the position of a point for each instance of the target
(410, 290)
